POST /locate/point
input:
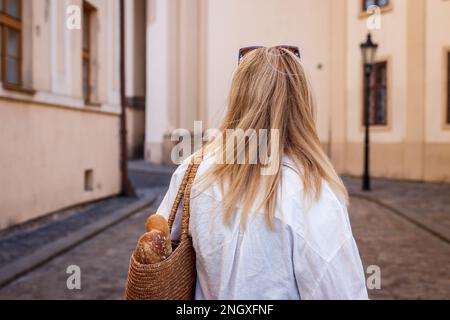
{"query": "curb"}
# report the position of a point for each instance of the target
(136, 167)
(19, 267)
(429, 226)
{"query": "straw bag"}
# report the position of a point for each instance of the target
(175, 277)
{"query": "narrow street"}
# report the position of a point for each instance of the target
(99, 99)
(407, 255)
(103, 261)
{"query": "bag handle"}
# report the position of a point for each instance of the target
(178, 198)
(187, 201)
(184, 189)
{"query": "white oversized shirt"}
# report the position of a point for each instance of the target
(311, 253)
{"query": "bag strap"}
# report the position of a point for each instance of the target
(187, 201)
(178, 198)
(184, 189)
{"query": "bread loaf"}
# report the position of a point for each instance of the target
(155, 245)
(158, 222)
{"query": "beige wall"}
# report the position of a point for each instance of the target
(159, 70)
(386, 141)
(437, 43)
(174, 62)
(192, 53)
(437, 134)
(415, 144)
(336, 145)
(392, 40)
(412, 39)
(45, 151)
(49, 138)
(56, 48)
(270, 24)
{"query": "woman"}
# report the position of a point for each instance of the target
(277, 228)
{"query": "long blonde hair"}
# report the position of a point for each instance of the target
(270, 91)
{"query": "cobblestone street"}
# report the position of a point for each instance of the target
(103, 261)
(414, 262)
(302, 108)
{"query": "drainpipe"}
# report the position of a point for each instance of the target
(126, 187)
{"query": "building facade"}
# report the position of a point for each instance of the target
(60, 86)
(59, 105)
(192, 52)
(412, 140)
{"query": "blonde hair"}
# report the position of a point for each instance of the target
(270, 91)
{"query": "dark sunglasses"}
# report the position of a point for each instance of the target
(243, 51)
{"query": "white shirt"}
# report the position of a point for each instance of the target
(311, 253)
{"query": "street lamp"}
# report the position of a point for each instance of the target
(368, 50)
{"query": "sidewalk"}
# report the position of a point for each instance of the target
(24, 247)
(424, 204)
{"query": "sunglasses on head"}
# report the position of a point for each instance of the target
(243, 51)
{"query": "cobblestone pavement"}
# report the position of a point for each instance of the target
(426, 203)
(414, 263)
(26, 239)
(103, 261)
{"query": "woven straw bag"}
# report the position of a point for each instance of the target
(173, 278)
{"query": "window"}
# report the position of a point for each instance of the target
(378, 95)
(448, 87)
(11, 42)
(88, 53)
(379, 3)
